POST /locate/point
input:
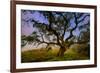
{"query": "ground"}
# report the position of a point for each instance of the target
(42, 55)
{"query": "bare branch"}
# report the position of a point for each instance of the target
(42, 36)
(83, 18)
(41, 42)
(71, 31)
(65, 26)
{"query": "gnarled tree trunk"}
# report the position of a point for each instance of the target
(61, 51)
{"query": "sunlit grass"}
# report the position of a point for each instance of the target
(40, 55)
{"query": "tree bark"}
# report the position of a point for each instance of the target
(61, 51)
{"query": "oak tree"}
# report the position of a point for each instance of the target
(58, 28)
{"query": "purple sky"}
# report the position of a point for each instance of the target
(27, 27)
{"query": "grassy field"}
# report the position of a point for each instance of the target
(42, 55)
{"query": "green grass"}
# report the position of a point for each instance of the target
(44, 56)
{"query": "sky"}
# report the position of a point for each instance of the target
(27, 26)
